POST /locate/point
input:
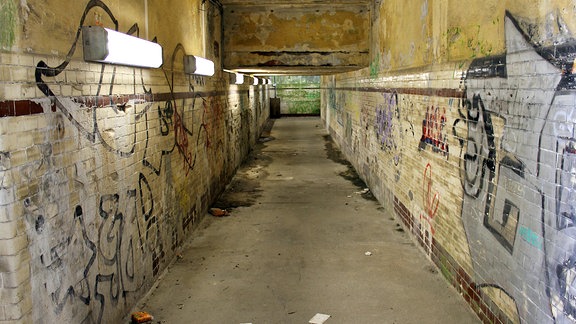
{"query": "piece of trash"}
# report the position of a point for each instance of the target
(179, 256)
(141, 317)
(319, 318)
(219, 212)
(349, 196)
(368, 253)
(265, 139)
(364, 191)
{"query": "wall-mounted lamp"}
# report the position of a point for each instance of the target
(105, 45)
(237, 78)
(198, 65)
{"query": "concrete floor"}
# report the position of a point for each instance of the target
(298, 248)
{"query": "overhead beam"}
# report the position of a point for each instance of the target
(295, 36)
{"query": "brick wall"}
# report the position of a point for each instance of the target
(105, 171)
(477, 159)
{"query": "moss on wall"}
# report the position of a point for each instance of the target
(8, 19)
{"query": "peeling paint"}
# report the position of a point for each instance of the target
(297, 36)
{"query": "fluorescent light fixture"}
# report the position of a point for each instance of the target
(105, 45)
(237, 78)
(198, 65)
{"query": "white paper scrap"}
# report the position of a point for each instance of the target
(319, 318)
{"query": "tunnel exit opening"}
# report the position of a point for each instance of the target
(295, 96)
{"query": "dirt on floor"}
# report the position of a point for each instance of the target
(244, 189)
(350, 174)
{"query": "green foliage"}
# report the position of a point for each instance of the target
(301, 94)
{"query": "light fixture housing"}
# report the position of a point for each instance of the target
(198, 65)
(105, 45)
(237, 78)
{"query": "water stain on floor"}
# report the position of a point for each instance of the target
(244, 189)
(350, 174)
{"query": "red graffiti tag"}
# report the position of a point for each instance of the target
(433, 131)
(182, 141)
(431, 202)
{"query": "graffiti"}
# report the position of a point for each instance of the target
(198, 80)
(340, 107)
(213, 118)
(518, 171)
(433, 131)
(366, 123)
(175, 114)
(89, 265)
(456, 36)
(348, 129)
(479, 159)
(388, 126)
(97, 233)
(125, 238)
(80, 289)
(181, 136)
(91, 125)
(431, 202)
(531, 237)
(332, 97)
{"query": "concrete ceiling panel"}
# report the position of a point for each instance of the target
(295, 35)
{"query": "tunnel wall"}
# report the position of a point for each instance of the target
(106, 170)
(463, 127)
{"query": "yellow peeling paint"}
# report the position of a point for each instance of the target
(297, 30)
(405, 31)
(176, 22)
(424, 32)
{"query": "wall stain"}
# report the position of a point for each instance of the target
(350, 174)
(8, 14)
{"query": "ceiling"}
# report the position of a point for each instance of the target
(291, 2)
(296, 37)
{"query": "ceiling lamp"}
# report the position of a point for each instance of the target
(198, 65)
(105, 45)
